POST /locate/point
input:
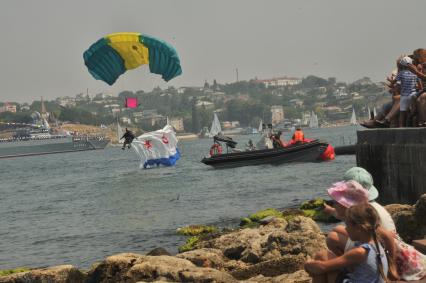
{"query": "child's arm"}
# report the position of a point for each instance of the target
(419, 85)
(353, 257)
(413, 69)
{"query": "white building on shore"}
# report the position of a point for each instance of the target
(277, 114)
(281, 81)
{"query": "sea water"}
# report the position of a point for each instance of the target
(78, 208)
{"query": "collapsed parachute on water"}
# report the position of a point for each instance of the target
(114, 54)
(157, 148)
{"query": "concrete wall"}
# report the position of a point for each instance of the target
(397, 160)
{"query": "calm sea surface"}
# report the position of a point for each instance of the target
(78, 208)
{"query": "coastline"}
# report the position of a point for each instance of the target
(269, 246)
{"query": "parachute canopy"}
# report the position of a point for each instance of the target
(114, 54)
(157, 148)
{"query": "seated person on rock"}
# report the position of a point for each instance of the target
(408, 83)
(411, 264)
(366, 262)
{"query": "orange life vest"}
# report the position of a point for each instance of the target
(298, 136)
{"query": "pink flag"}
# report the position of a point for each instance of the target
(131, 102)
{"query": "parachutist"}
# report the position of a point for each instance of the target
(128, 139)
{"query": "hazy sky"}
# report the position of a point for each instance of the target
(42, 42)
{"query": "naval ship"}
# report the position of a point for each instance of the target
(28, 142)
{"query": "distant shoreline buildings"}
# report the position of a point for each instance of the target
(281, 81)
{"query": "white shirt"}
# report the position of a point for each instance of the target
(386, 220)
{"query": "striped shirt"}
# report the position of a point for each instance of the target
(408, 82)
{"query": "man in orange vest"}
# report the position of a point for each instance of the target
(298, 136)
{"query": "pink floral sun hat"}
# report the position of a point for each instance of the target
(348, 193)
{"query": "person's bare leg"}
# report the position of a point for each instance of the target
(402, 118)
(394, 110)
(412, 116)
(421, 108)
(323, 255)
(322, 278)
(332, 276)
(336, 240)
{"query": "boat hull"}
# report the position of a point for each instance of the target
(50, 146)
(308, 152)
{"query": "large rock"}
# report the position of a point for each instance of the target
(114, 268)
(56, 274)
(158, 251)
(420, 210)
(297, 277)
(282, 265)
(279, 247)
(212, 258)
(410, 220)
(132, 268)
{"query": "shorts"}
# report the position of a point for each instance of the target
(405, 102)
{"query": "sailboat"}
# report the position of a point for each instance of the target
(353, 118)
(313, 121)
(215, 128)
(260, 129)
(120, 132)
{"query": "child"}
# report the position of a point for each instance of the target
(366, 262)
(408, 83)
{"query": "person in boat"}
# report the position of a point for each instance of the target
(276, 140)
(250, 146)
(298, 136)
(128, 138)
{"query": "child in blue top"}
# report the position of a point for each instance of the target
(365, 263)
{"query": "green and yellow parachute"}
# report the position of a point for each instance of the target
(114, 54)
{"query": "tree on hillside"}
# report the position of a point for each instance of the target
(19, 117)
(313, 81)
(245, 111)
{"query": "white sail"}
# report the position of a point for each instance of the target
(215, 128)
(260, 126)
(368, 112)
(374, 111)
(313, 121)
(120, 132)
(353, 118)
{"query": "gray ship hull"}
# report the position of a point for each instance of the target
(50, 146)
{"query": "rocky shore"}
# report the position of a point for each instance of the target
(270, 246)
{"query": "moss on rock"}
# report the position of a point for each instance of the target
(190, 244)
(317, 203)
(12, 271)
(195, 230)
(314, 209)
(256, 217)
